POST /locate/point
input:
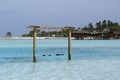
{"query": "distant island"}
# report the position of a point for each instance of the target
(105, 29)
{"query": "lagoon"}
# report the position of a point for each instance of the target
(91, 60)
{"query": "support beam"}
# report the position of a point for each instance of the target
(69, 44)
(34, 45)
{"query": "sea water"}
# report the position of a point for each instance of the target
(91, 60)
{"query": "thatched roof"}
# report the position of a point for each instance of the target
(94, 32)
(80, 31)
(106, 30)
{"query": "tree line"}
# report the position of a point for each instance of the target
(99, 27)
(62, 33)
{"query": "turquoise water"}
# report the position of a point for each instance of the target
(91, 60)
(17, 49)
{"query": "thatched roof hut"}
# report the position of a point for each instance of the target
(106, 30)
(80, 33)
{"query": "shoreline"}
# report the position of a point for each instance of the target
(42, 38)
(30, 38)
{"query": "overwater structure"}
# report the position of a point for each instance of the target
(35, 28)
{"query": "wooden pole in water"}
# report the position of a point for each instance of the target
(34, 40)
(34, 45)
(69, 44)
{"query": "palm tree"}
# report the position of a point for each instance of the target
(109, 23)
(8, 34)
(90, 27)
(104, 24)
(98, 26)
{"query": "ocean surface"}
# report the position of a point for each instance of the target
(91, 60)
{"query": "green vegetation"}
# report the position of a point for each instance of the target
(62, 33)
(8, 34)
(99, 27)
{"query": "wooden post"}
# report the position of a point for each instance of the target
(34, 40)
(34, 45)
(69, 44)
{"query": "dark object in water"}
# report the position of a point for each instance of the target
(59, 54)
(46, 55)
